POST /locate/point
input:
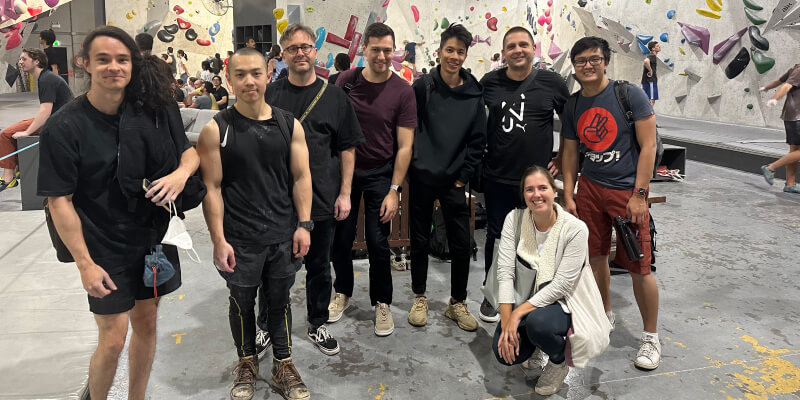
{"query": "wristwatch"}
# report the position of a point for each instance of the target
(640, 191)
(396, 188)
(307, 225)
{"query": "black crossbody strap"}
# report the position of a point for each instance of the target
(314, 102)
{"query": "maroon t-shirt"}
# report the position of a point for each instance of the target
(381, 108)
(791, 108)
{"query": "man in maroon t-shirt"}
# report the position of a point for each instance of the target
(387, 111)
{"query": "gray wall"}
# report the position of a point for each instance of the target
(253, 12)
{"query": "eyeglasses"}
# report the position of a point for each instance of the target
(306, 48)
(594, 61)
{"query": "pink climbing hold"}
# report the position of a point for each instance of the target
(51, 3)
(549, 20)
(547, 13)
(415, 11)
(351, 27)
(472, 8)
(14, 41)
(538, 52)
(541, 20)
(177, 9)
(549, 3)
(549, 28)
(492, 24)
(183, 24)
(554, 51)
(385, 3)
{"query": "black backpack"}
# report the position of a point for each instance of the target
(621, 92)
(438, 245)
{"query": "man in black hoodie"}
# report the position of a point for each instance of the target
(448, 143)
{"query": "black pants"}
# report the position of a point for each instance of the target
(318, 277)
(374, 186)
(243, 319)
(456, 216)
(545, 328)
(500, 200)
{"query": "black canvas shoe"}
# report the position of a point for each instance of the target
(323, 339)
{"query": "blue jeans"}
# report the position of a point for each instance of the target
(545, 328)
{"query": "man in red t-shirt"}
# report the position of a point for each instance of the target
(788, 85)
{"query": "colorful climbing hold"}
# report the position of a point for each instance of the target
(51, 3)
(171, 29)
(177, 9)
(184, 24)
(664, 37)
(670, 14)
(415, 11)
(278, 13)
(445, 23)
(747, 90)
(753, 6)
(204, 42)
(492, 24)
(709, 14)
(541, 20)
(309, 10)
(320, 37)
(762, 62)
(488, 15)
(712, 4)
(738, 64)
(753, 18)
(756, 39)
(190, 34)
(282, 25)
(724, 47)
(435, 24)
(749, 106)
(681, 50)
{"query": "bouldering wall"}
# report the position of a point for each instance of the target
(186, 25)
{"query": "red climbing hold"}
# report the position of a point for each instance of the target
(178, 9)
(34, 11)
(492, 23)
(184, 24)
(204, 42)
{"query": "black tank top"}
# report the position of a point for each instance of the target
(256, 180)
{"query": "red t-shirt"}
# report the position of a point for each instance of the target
(381, 108)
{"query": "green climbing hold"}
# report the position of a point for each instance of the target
(747, 90)
(753, 6)
(749, 106)
(435, 25)
(445, 23)
(753, 18)
(762, 61)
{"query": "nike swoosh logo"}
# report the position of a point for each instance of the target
(225, 138)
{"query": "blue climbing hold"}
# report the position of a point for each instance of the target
(683, 40)
(670, 14)
(330, 61)
(666, 60)
(361, 62)
(664, 36)
(671, 65)
(320, 37)
(643, 40)
(628, 28)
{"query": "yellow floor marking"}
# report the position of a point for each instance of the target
(680, 344)
(178, 337)
(763, 378)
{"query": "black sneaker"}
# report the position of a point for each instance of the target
(488, 313)
(323, 339)
(8, 185)
(262, 343)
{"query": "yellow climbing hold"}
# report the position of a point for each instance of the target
(505, 9)
(282, 25)
(278, 13)
(191, 15)
(712, 4)
(128, 16)
(709, 14)
(609, 3)
(133, 12)
(309, 9)
(681, 50)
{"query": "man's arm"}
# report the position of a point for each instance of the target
(54, 68)
(213, 206)
(569, 162)
(771, 85)
(475, 147)
(405, 142)
(68, 225)
(646, 137)
(783, 90)
(167, 188)
(647, 67)
(302, 188)
(222, 101)
(45, 109)
(347, 162)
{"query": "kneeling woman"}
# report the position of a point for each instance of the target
(552, 244)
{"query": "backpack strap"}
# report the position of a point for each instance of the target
(352, 82)
(520, 213)
(224, 120)
(283, 116)
(621, 92)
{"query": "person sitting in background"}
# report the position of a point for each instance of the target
(206, 75)
(554, 243)
(340, 63)
(220, 93)
(205, 101)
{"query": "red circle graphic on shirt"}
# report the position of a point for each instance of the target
(597, 129)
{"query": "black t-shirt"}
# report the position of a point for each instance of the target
(256, 181)
(53, 58)
(331, 127)
(218, 95)
(78, 156)
(525, 136)
(53, 89)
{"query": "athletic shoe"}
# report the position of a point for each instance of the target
(384, 325)
(536, 360)
(487, 312)
(649, 354)
(8, 185)
(336, 308)
(287, 381)
(769, 175)
(792, 189)
(458, 312)
(418, 316)
(552, 378)
(262, 343)
(244, 383)
(323, 339)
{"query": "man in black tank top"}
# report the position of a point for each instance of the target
(255, 164)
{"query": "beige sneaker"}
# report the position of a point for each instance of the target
(244, 381)
(552, 378)
(418, 316)
(287, 382)
(458, 312)
(384, 325)
(336, 308)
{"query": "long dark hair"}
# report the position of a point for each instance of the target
(274, 52)
(133, 92)
(155, 85)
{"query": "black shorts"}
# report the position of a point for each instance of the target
(792, 132)
(262, 261)
(130, 286)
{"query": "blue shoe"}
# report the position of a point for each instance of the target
(769, 175)
(792, 189)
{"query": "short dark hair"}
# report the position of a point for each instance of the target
(589, 43)
(144, 41)
(533, 170)
(342, 61)
(180, 82)
(36, 55)
(205, 65)
(294, 28)
(169, 50)
(216, 55)
(48, 36)
(216, 77)
(457, 31)
(208, 86)
(249, 39)
(192, 80)
(246, 51)
(377, 30)
(651, 45)
(516, 29)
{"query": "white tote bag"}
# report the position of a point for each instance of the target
(588, 336)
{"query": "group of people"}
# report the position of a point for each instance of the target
(332, 144)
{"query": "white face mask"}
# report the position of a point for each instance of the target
(178, 236)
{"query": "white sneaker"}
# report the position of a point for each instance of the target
(552, 378)
(384, 325)
(336, 308)
(613, 320)
(649, 354)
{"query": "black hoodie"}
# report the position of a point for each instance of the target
(451, 133)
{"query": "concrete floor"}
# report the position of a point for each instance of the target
(729, 297)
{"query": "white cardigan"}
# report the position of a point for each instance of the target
(571, 254)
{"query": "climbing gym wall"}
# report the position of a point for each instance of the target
(199, 28)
